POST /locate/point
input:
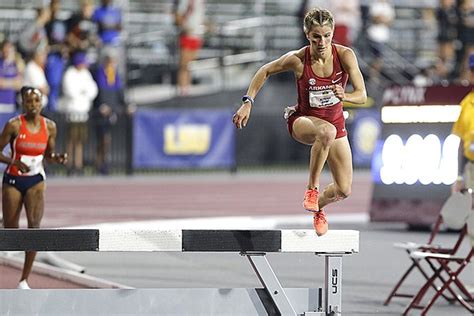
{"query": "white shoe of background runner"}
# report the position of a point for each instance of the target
(23, 285)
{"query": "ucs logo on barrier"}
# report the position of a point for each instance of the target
(334, 282)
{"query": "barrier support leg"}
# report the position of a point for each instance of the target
(270, 282)
(333, 284)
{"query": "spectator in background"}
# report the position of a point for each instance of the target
(109, 22)
(464, 128)
(79, 89)
(57, 56)
(33, 37)
(447, 17)
(347, 15)
(82, 31)
(35, 75)
(11, 77)
(466, 36)
(189, 19)
(108, 105)
(381, 13)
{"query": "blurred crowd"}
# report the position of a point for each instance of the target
(455, 38)
(454, 21)
(74, 58)
(44, 50)
(75, 64)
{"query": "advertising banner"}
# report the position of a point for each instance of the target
(183, 139)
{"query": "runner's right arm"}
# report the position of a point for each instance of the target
(10, 130)
(287, 62)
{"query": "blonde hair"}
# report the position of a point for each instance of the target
(319, 17)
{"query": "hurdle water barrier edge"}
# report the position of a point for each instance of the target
(253, 244)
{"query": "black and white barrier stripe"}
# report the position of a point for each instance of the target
(335, 241)
(273, 299)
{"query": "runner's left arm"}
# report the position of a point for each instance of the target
(50, 154)
(350, 64)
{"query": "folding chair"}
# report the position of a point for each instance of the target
(453, 215)
(450, 265)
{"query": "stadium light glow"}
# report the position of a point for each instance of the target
(420, 114)
(424, 160)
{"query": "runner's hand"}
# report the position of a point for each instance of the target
(339, 92)
(21, 166)
(242, 115)
(60, 158)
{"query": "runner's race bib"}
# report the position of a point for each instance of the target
(322, 99)
(35, 163)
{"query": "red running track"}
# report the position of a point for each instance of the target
(81, 201)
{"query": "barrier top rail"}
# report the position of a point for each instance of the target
(186, 240)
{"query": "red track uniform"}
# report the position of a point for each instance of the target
(315, 95)
(29, 147)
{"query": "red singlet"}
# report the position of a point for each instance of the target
(315, 96)
(30, 146)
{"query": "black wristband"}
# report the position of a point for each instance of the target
(246, 98)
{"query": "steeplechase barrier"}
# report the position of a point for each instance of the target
(271, 299)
